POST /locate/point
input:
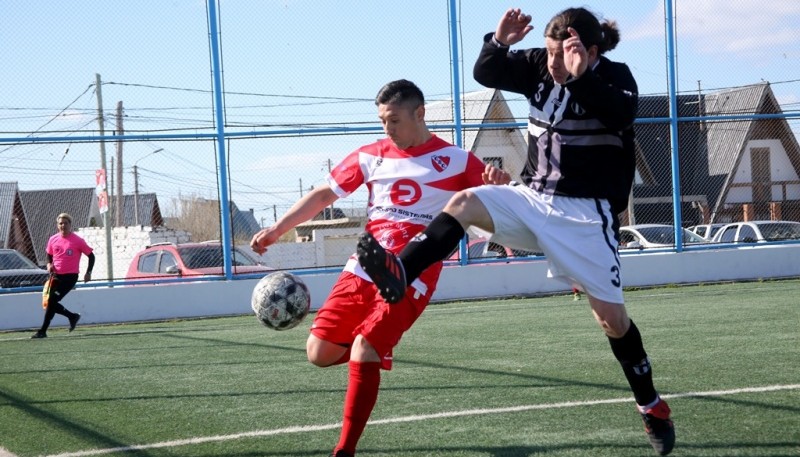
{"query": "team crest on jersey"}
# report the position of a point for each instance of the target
(440, 163)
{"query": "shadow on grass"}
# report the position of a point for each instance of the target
(54, 421)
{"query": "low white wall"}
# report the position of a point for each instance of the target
(186, 300)
(125, 243)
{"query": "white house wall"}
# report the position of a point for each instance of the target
(781, 169)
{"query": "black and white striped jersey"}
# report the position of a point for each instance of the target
(580, 134)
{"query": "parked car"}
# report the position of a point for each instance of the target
(189, 259)
(481, 248)
(16, 270)
(707, 231)
(758, 232)
(643, 236)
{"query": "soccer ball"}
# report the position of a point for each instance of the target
(281, 300)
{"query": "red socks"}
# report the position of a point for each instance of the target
(362, 393)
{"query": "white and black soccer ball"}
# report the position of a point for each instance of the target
(281, 300)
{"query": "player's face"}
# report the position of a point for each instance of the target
(555, 60)
(401, 123)
(64, 226)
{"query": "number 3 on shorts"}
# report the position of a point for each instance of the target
(616, 281)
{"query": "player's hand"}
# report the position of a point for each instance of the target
(262, 239)
(494, 175)
(87, 277)
(576, 58)
(513, 27)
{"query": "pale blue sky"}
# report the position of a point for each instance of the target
(308, 62)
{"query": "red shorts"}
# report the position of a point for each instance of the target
(354, 307)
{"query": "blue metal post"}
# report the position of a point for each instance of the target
(673, 125)
(455, 58)
(458, 130)
(224, 200)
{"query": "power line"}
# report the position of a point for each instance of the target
(52, 118)
(249, 94)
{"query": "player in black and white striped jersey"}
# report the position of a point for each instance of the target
(577, 179)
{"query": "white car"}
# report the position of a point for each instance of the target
(707, 231)
(642, 236)
(758, 232)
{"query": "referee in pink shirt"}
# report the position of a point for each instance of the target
(64, 251)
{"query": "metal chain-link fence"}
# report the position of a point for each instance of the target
(184, 130)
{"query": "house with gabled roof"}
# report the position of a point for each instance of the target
(504, 147)
(730, 170)
(758, 158)
(14, 233)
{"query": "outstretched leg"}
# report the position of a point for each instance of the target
(383, 267)
(392, 274)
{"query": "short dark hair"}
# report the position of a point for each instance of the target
(401, 91)
(605, 36)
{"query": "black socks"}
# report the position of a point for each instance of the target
(435, 243)
(629, 350)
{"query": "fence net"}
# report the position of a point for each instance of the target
(124, 135)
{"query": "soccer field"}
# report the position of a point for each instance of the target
(494, 378)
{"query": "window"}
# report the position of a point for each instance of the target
(147, 262)
(728, 235)
(201, 257)
(625, 238)
(167, 260)
(242, 259)
(747, 234)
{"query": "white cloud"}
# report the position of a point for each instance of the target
(746, 27)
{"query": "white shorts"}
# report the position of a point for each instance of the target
(577, 235)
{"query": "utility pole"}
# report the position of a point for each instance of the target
(136, 194)
(110, 185)
(700, 107)
(329, 171)
(120, 212)
(106, 224)
(136, 187)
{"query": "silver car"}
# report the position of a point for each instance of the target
(758, 232)
(643, 236)
(16, 270)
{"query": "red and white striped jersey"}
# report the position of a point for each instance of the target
(407, 188)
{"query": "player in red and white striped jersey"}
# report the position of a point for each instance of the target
(411, 174)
